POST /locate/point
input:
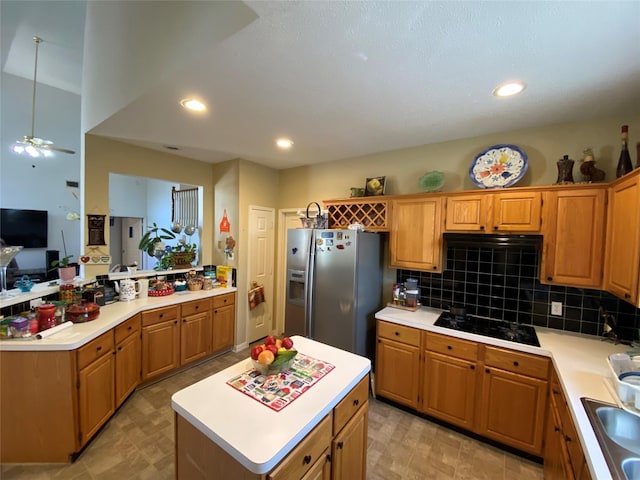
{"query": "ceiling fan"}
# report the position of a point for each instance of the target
(30, 144)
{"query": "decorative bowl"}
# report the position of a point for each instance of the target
(24, 284)
(82, 312)
(270, 369)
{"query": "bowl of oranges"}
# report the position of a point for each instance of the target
(274, 355)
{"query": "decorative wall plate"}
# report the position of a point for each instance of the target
(498, 166)
(432, 181)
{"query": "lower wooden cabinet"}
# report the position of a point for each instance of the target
(224, 322)
(398, 363)
(349, 449)
(495, 392)
(96, 386)
(195, 331)
(127, 359)
(160, 342)
(321, 470)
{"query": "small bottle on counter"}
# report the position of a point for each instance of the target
(396, 293)
(624, 162)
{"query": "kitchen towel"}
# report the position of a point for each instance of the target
(53, 330)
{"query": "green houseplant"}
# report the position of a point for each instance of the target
(152, 241)
(66, 269)
(182, 255)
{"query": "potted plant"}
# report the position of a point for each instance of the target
(183, 254)
(152, 241)
(66, 269)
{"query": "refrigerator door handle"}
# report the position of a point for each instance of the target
(309, 288)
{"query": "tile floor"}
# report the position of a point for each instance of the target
(137, 443)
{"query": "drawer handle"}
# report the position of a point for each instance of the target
(307, 459)
(340, 445)
(119, 348)
(99, 348)
(215, 311)
(162, 315)
(356, 402)
(130, 327)
(397, 333)
(516, 364)
(175, 322)
(449, 347)
(197, 307)
(184, 320)
(472, 367)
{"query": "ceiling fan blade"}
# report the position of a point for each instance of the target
(58, 149)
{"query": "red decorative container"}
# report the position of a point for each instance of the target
(46, 316)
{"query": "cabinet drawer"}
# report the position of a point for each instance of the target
(516, 362)
(306, 453)
(128, 327)
(350, 404)
(222, 300)
(151, 317)
(399, 333)
(197, 306)
(95, 349)
(455, 347)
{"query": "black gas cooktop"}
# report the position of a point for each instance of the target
(511, 331)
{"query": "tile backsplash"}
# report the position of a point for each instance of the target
(504, 284)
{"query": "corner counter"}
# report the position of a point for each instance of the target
(110, 316)
(579, 360)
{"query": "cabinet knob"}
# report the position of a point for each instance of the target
(340, 445)
(472, 367)
(516, 364)
(356, 402)
(184, 320)
(449, 347)
(486, 370)
(98, 349)
(379, 341)
(175, 322)
(119, 348)
(481, 227)
(397, 333)
(435, 267)
(130, 327)
(556, 429)
(495, 227)
(215, 311)
(307, 459)
(567, 438)
(549, 278)
(162, 315)
(627, 295)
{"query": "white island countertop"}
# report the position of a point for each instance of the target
(110, 316)
(253, 434)
(580, 361)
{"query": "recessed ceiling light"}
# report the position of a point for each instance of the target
(193, 104)
(509, 89)
(284, 143)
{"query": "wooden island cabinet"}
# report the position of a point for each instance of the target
(73, 387)
(321, 435)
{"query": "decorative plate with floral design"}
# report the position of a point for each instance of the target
(498, 166)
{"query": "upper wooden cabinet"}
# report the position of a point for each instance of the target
(416, 233)
(622, 258)
(573, 236)
(494, 212)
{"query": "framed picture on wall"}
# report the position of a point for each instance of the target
(374, 186)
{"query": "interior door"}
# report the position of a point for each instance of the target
(131, 234)
(261, 262)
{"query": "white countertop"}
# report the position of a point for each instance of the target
(580, 360)
(110, 316)
(227, 416)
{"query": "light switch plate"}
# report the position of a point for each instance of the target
(556, 308)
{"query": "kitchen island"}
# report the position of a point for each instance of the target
(223, 433)
(579, 360)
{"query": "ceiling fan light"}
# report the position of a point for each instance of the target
(19, 149)
(33, 151)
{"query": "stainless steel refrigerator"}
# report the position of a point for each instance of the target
(334, 287)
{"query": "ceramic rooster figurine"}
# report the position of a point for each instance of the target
(588, 168)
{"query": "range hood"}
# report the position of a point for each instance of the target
(492, 240)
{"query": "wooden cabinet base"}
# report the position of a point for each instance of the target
(38, 385)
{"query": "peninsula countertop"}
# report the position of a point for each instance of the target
(110, 316)
(580, 361)
(253, 434)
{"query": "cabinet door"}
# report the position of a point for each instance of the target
(573, 242)
(513, 409)
(127, 367)
(349, 449)
(96, 399)
(622, 259)
(516, 212)
(223, 328)
(195, 337)
(160, 349)
(466, 213)
(449, 389)
(416, 234)
(321, 470)
(397, 372)
(554, 460)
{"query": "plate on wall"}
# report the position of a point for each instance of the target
(498, 166)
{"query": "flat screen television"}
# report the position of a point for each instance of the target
(27, 228)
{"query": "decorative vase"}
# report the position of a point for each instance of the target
(565, 170)
(67, 274)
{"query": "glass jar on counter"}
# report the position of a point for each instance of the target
(46, 316)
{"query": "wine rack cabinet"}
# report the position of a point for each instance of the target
(372, 212)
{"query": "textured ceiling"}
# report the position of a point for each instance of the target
(344, 79)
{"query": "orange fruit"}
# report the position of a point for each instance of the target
(266, 357)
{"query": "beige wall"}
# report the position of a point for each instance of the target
(403, 168)
(103, 156)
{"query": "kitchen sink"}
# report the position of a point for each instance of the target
(618, 433)
(631, 468)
